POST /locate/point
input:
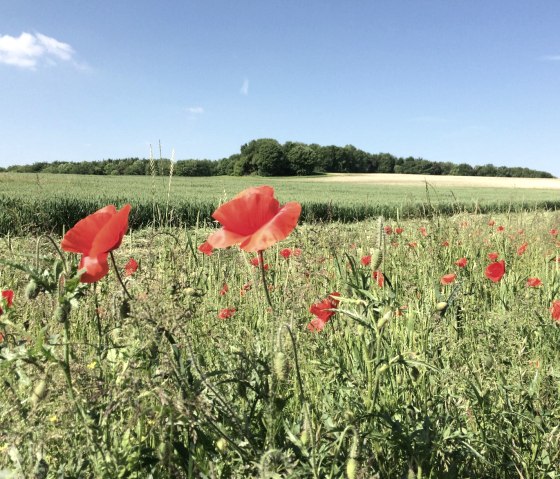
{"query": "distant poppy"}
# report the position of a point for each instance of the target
(413, 244)
(286, 253)
(448, 278)
(445, 243)
(555, 310)
(7, 297)
(522, 249)
(500, 228)
(495, 271)
(323, 312)
(296, 251)
(399, 230)
(254, 220)
(493, 256)
(224, 290)
(379, 277)
(491, 223)
(533, 282)
(226, 313)
(130, 267)
(366, 260)
(255, 262)
(461, 262)
(95, 237)
(206, 248)
(388, 230)
(423, 231)
(553, 232)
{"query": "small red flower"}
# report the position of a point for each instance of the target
(296, 251)
(461, 262)
(388, 230)
(448, 278)
(366, 260)
(445, 243)
(423, 231)
(493, 256)
(255, 262)
(491, 223)
(555, 310)
(206, 248)
(226, 313)
(399, 230)
(495, 271)
(224, 290)
(522, 249)
(130, 267)
(500, 228)
(413, 244)
(379, 278)
(254, 220)
(323, 312)
(286, 253)
(95, 237)
(553, 232)
(533, 282)
(7, 297)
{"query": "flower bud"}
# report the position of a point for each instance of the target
(62, 312)
(31, 290)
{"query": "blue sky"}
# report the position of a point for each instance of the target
(462, 81)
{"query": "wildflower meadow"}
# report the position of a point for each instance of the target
(265, 346)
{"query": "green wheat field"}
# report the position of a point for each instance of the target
(412, 377)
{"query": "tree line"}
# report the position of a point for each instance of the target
(267, 157)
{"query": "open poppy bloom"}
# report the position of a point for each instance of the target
(95, 237)
(495, 271)
(555, 310)
(533, 282)
(461, 262)
(130, 267)
(448, 278)
(522, 249)
(7, 297)
(323, 312)
(366, 260)
(226, 313)
(254, 220)
(286, 253)
(205, 248)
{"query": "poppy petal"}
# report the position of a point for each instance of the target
(80, 237)
(96, 268)
(109, 237)
(245, 214)
(276, 229)
(223, 238)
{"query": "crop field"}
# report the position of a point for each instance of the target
(419, 342)
(46, 202)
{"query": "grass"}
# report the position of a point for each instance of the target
(396, 385)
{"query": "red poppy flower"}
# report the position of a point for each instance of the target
(255, 262)
(491, 223)
(226, 313)
(553, 232)
(448, 278)
(399, 230)
(533, 282)
(296, 252)
(322, 312)
(206, 248)
(130, 267)
(224, 290)
(495, 271)
(254, 220)
(522, 249)
(461, 262)
(8, 297)
(445, 243)
(95, 237)
(366, 260)
(388, 230)
(413, 244)
(379, 278)
(493, 256)
(555, 310)
(423, 231)
(286, 253)
(500, 228)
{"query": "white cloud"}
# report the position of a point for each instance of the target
(196, 110)
(245, 87)
(27, 50)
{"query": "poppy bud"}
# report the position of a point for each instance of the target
(62, 311)
(384, 319)
(304, 436)
(39, 392)
(280, 366)
(31, 290)
(381, 369)
(376, 259)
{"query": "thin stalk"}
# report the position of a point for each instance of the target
(119, 277)
(263, 275)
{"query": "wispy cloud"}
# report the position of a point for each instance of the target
(245, 87)
(195, 110)
(550, 58)
(28, 50)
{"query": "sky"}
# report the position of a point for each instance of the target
(472, 82)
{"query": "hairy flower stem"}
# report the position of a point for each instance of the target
(263, 275)
(119, 277)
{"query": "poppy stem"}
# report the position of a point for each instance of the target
(119, 276)
(263, 275)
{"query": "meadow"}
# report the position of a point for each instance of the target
(434, 358)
